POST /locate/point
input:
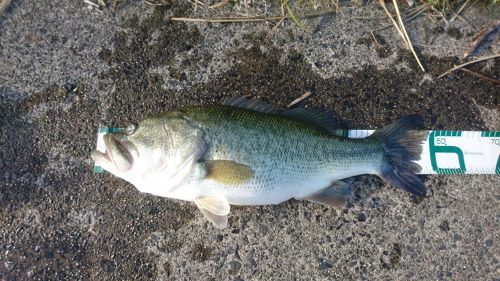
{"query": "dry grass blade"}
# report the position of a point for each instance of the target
(459, 11)
(88, 2)
(479, 75)
(278, 24)
(247, 19)
(468, 63)
(3, 5)
(227, 20)
(382, 3)
(154, 3)
(337, 7)
(375, 39)
(406, 35)
(218, 5)
(292, 15)
(401, 30)
(299, 99)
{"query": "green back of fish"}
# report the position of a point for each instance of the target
(245, 119)
(233, 131)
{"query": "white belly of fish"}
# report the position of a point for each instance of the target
(271, 190)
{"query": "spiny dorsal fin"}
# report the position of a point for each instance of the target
(336, 195)
(215, 209)
(317, 117)
(228, 172)
(242, 102)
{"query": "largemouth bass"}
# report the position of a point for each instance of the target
(245, 153)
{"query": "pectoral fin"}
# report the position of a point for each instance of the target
(335, 195)
(228, 172)
(215, 209)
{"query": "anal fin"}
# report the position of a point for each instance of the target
(335, 196)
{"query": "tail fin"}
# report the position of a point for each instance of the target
(401, 147)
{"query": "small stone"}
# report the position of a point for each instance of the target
(48, 254)
(220, 237)
(153, 211)
(108, 265)
(361, 217)
(325, 264)
(234, 267)
(488, 243)
(444, 226)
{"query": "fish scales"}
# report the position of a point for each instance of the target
(283, 152)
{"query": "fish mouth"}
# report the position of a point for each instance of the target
(118, 153)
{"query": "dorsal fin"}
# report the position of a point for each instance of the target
(242, 102)
(317, 117)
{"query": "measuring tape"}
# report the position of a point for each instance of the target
(444, 152)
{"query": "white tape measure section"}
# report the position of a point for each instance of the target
(454, 152)
(444, 152)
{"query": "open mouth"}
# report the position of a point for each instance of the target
(117, 153)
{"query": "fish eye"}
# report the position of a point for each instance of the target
(131, 129)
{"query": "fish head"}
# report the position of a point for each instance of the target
(160, 148)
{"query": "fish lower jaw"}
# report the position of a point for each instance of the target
(101, 159)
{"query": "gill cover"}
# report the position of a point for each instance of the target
(169, 145)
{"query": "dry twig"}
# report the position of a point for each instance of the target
(382, 3)
(456, 14)
(468, 63)
(90, 3)
(406, 35)
(401, 29)
(218, 5)
(299, 99)
(479, 75)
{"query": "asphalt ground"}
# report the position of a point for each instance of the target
(66, 69)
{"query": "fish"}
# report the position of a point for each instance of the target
(243, 152)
